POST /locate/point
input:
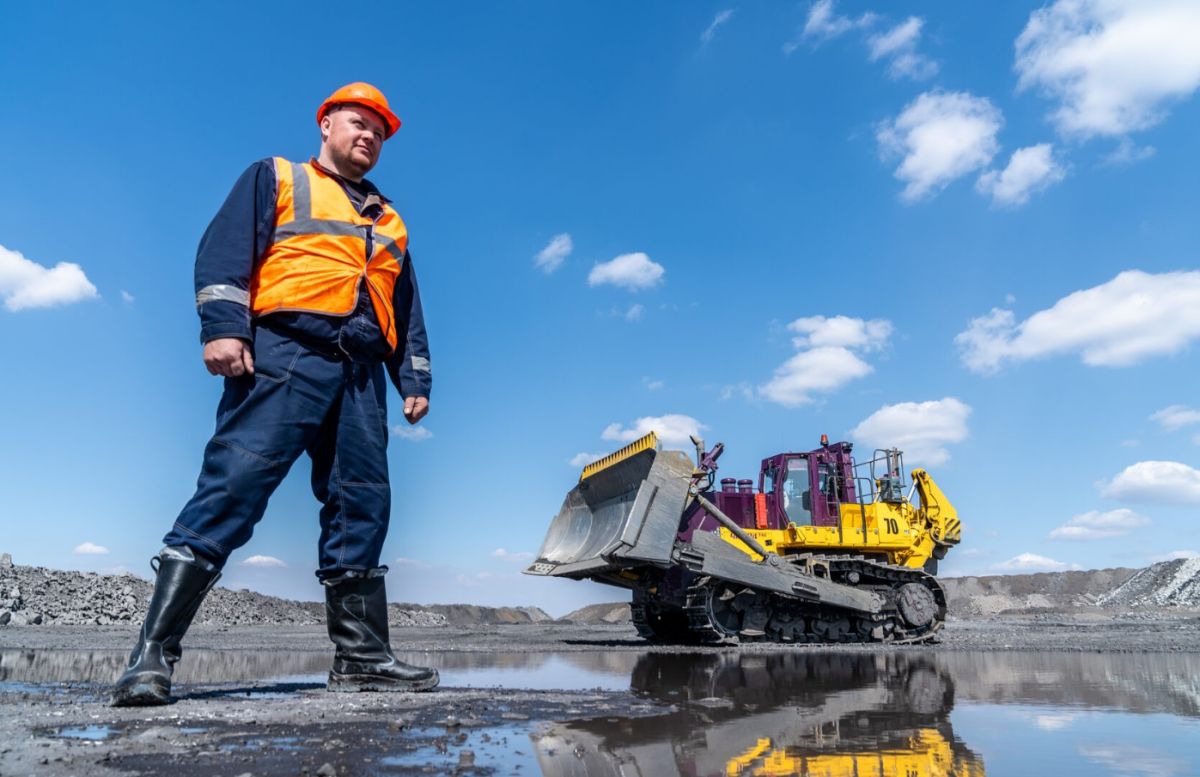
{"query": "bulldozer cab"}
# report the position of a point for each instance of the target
(807, 488)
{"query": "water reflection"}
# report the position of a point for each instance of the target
(774, 714)
(899, 712)
(578, 670)
(1129, 682)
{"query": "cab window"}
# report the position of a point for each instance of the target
(797, 500)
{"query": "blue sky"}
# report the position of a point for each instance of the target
(969, 234)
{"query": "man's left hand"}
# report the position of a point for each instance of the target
(415, 408)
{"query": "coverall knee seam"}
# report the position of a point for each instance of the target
(361, 483)
(202, 538)
(337, 478)
(240, 449)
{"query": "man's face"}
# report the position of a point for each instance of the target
(353, 137)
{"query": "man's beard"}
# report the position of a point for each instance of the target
(349, 164)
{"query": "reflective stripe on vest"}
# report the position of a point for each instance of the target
(319, 256)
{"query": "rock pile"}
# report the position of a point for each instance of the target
(32, 596)
(600, 614)
(982, 597)
(1166, 584)
(475, 615)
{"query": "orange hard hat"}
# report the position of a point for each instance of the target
(361, 93)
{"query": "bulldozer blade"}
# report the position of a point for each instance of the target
(624, 513)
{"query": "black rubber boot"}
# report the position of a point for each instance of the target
(356, 611)
(180, 586)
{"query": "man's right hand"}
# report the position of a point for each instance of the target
(228, 356)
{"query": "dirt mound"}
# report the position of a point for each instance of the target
(981, 597)
(38, 596)
(599, 614)
(1166, 584)
(474, 614)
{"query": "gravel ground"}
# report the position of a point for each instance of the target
(257, 728)
(64, 635)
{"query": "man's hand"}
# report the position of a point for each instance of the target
(415, 408)
(228, 356)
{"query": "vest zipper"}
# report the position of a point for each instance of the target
(370, 248)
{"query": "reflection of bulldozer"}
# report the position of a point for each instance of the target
(774, 714)
(824, 550)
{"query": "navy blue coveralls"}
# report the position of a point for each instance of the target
(318, 387)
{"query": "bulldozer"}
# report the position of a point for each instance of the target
(824, 550)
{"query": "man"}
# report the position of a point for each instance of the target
(307, 297)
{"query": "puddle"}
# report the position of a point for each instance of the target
(497, 750)
(289, 744)
(20, 670)
(896, 712)
(92, 733)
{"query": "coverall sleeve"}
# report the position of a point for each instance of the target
(409, 366)
(233, 243)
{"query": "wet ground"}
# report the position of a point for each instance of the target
(1049, 694)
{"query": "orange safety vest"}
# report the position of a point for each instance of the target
(319, 256)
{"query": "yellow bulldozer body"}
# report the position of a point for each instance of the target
(906, 534)
(926, 753)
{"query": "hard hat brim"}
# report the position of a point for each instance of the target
(391, 121)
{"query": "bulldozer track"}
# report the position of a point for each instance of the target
(716, 610)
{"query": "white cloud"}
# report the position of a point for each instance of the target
(826, 359)
(1055, 721)
(1166, 482)
(129, 298)
(1032, 562)
(26, 284)
(823, 23)
(921, 429)
(263, 562)
(1134, 316)
(411, 433)
(1129, 759)
(630, 271)
(1113, 66)
(899, 47)
(939, 137)
(90, 549)
(411, 563)
(741, 387)
(841, 332)
(1174, 555)
(814, 371)
(583, 459)
(1029, 170)
(1127, 152)
(721, 18)
(554, 254)
(1176, 417)
(1095, 525)
(653, 384)
(635, 312)
(509, 555)
(673, 430)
